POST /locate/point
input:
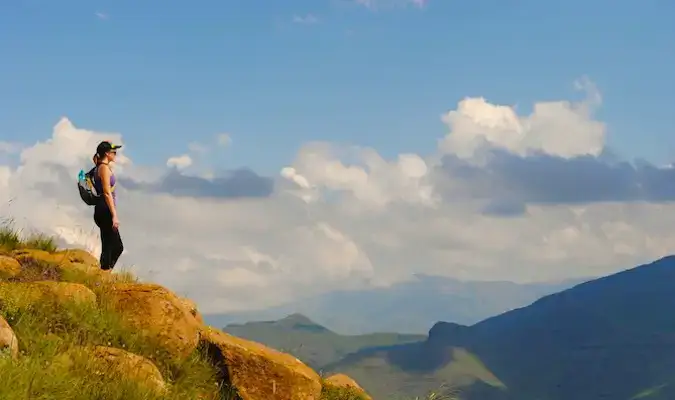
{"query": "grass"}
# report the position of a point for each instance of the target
(334, 393)
(14, 239)
(54, 338)
(49, 329)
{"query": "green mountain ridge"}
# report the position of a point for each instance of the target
(312, 343)
(610, 338)
(406, 307)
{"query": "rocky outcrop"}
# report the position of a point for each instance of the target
(8, 341)
(169, 327)
(65, 265)
(191, 307)
(158, 313)
(258, 372)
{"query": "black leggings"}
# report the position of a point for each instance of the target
(111, 242)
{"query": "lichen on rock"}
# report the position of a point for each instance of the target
(158, 313)
(258, 372)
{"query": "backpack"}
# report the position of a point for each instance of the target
(85, 184)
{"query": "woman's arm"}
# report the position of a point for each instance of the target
(104, 174)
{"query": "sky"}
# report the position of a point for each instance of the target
(279, 149)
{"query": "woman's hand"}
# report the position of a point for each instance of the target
(116, 223)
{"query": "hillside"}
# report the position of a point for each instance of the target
(610, 338)
(310, 342)
(71, 331)
(407, 307)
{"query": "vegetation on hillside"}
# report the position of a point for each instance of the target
(57, 337)
(312, 343)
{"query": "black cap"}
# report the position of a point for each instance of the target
(105, 147)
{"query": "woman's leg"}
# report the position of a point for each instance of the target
(103, 219)
(116, 246)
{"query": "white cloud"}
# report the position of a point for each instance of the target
(332, 224)
(558, 128)
(179, 162)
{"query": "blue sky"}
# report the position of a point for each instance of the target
(500, 198)
(167, 75)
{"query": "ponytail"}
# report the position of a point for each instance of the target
(95, 159)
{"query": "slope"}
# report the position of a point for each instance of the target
(71, 331)
(610, 338)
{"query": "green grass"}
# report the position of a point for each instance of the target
(334, 393)
(13, 239)
(48, 329)
(312, 343)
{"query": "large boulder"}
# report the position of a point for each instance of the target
(110, 361)
(158, 313)
(9, 267)
(191, 307)
(67, 265)
(23, 294)
(78, 256)
(258, 372)
(8, 340)
(344, 382)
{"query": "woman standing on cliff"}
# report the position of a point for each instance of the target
(105, 211)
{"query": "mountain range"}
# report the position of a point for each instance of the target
(407, 307)
(610, 338)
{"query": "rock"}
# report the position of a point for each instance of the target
(79, 256)
(9, 267)
(26, 293)
(258, 372)
(129, 365)
(191, 306)
(25, 255)
(106, 361)
(70, 265)
(158, 313)
(342, 381)
(8, 340)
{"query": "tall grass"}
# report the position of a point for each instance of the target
(12, 238)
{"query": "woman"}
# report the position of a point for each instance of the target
(105, 211)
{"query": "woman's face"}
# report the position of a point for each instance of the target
(111, 155)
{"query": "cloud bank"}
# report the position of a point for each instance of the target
(505, 196)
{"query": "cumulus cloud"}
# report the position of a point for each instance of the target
(505, 196)
(179, 162)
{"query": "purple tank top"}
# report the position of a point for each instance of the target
(98, 185)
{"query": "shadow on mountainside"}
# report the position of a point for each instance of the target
(610, 338)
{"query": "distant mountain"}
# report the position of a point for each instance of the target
(409, 307)
(611, 338)
(312, 343)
